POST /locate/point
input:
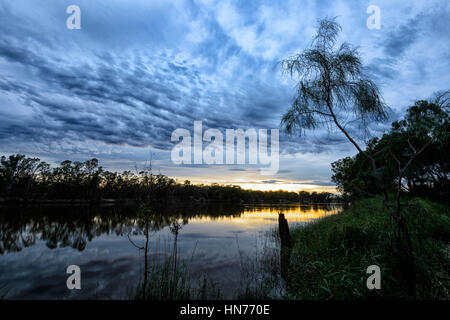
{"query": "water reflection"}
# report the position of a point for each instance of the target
(104, 242)
(76, 226)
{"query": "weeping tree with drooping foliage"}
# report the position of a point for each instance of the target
(331, 84)
(333, 92)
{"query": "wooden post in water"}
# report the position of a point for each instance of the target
(283, 228)
(285, 248)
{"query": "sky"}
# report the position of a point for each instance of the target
(137, 70)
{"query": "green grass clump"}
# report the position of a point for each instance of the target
(166, 283)
(330, 257)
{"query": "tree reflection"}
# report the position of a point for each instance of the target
(75, 227)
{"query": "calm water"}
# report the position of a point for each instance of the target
(37, 245)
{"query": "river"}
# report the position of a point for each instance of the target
(220, 242)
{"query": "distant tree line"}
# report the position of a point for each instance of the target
(426, 124)
(23, 178)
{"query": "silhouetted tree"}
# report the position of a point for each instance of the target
(332, 88)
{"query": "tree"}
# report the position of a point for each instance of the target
(18, 172)
(425, 123)
(427, 175)
(333, 91)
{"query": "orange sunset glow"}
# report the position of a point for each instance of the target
(254, 217)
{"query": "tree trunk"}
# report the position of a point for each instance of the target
(285, 249)
(406, 257)
(283, 228)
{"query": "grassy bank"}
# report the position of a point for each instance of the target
(330, 257)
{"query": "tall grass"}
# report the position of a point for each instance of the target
(328, 260)
(169, 278)
(330, 257)
(259, 271)
(3, 292)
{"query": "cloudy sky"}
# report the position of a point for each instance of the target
(136, 70)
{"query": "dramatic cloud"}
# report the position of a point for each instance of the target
(137, 70)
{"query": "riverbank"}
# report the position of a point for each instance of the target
(101, 201)
(329, 257)
(30, 180)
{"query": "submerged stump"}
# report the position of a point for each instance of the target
(283, 228)
(285, 249)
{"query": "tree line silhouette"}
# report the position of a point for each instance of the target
(24, 178)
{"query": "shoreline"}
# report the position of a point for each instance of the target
(106, 201)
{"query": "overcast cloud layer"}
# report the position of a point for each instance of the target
(137, 70)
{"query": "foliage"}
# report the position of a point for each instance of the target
(31, 179)
(332, 87)
(330, 256)
(426, 123)
(331, 81)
